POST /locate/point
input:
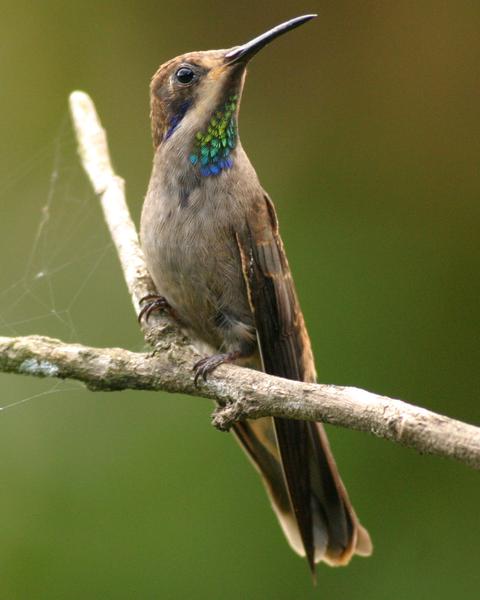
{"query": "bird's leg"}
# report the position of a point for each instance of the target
(152, 303)
(208, 364)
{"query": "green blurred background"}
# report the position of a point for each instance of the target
(364, 126)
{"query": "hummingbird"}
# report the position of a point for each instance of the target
(212, 245)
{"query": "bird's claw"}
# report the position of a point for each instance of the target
(152, 303)
(207, 365)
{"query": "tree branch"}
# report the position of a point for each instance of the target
(240, 393)
(243, 393)
(95, 158)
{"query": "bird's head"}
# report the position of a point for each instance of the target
(195, 98)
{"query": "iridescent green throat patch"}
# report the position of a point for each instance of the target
(212, 148)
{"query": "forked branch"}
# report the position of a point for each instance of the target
(240, 393)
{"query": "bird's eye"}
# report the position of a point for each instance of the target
(185, 75)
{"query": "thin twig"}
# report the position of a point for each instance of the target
(95, 158)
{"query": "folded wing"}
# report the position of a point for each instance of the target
(293, 457)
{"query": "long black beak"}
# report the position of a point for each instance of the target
(245, 52)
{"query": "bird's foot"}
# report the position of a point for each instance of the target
(154, 303)
(208, 364)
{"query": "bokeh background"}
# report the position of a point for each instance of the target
(364, 126)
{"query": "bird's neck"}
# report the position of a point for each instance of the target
(202, 138)
(213, 144)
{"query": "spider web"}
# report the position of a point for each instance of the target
(67, 246)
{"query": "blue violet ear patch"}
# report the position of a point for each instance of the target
(212, 148)
(176, 119)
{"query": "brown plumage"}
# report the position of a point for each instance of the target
(213, 248)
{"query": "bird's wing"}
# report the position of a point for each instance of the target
(318, 520)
